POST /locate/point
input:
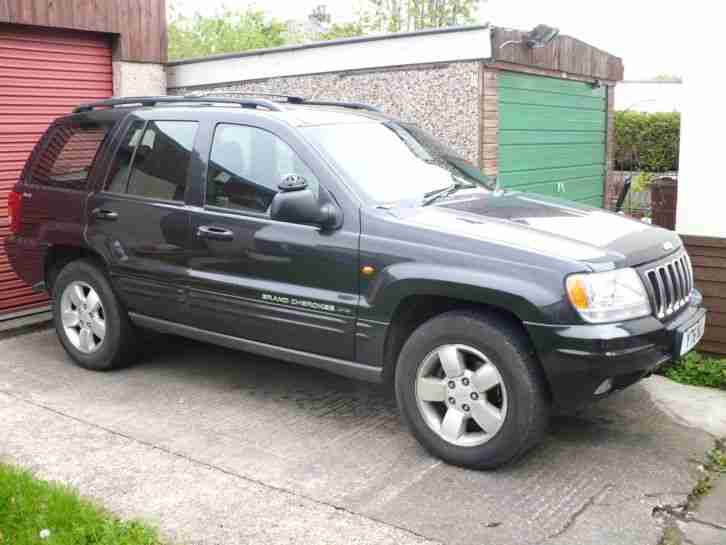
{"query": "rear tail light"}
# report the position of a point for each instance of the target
(15, 206)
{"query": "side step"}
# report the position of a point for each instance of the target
(368, 373)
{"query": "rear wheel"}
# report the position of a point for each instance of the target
(89, 320)
(470, 390)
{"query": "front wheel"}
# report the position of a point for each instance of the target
(470, 390)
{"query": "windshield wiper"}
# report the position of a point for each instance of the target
(438, 194)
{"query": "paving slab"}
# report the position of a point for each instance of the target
(188, 500)
(712, 508)
(196, 436)
(694, 406)
(25, 323)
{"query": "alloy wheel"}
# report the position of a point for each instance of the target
(461, 395)
(83, 317)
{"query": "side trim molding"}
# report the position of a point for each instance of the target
(368, 373)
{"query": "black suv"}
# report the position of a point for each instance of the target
(331, 235)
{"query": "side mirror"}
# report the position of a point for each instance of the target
(295, 203)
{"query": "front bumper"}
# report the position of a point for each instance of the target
(578, 358)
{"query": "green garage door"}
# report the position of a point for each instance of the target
(552, 137)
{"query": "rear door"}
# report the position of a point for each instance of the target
(53, 188)
(252, 277)
(138, 220)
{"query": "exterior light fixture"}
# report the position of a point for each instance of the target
(539, 36)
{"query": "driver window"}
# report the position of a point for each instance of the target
(246, 165)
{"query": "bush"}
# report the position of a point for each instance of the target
(647, 142)
(698, 370)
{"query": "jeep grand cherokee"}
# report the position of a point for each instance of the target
(334, 236)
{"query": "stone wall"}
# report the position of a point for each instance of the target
(442, 98)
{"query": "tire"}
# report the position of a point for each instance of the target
(507, 389)
(117, 346)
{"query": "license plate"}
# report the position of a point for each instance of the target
(692, 335)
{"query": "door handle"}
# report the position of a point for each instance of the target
(103, 214)
(214, 233)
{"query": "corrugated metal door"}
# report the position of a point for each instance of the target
(552, 135)
(44, 73)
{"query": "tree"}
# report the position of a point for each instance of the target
(409, 15)
(230, 31)
(227, 31)
(320, 14)
(342, 30)
(333, 31)
(668, 77)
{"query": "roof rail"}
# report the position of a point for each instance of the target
(301, 100)
(288, 98)
(354, 105)
(154, 100)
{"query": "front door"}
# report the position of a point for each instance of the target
(138, 220)
(256, 278)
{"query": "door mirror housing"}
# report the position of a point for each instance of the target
(296, 203)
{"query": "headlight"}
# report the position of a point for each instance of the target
(608, 296)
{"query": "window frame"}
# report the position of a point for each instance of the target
(208, 160)
(114, 153)
(42, 145)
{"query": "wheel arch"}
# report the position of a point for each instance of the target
(58, 256)
(411, 302)
(415, 310)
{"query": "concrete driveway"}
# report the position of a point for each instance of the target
(222, 447)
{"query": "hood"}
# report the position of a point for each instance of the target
(546, 225)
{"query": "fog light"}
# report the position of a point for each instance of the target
(605, 386)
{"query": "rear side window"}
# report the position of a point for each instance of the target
(153, 160)
(66, 158)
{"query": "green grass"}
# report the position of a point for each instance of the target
(713, 468)
(716, 458)
(29, 506)
(698, 370)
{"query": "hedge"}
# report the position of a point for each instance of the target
(647, 141)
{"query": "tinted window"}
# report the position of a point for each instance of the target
(160, 160)
(118, 176)
(68, 155)
(246, 166)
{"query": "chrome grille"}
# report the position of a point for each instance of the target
(671, 284)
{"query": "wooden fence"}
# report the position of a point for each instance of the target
(709, 266)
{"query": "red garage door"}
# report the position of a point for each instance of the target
(44, 73)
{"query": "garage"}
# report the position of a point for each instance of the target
(44, 74)
(532, 117)
(53, 57)
(552, 136)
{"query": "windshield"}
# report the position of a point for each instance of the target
(392, 162)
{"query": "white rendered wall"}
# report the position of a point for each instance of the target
(702, 169)
(138, 79)
(341, 56)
